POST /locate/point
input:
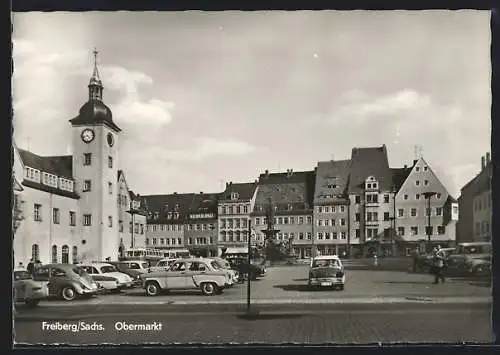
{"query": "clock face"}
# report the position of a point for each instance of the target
(88, 135)
(111, 139)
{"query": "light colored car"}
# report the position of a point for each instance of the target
(108, 276)
(27, 290)
(327, 271)
(188, 274)
(461, 262)
(66, 281)
(234, 275)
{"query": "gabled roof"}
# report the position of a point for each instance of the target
(244, 190)
(58, 165)
(295, 189)
(367, 162)
(399, 176)
(481, 182)
(163, 204)
(328, 173)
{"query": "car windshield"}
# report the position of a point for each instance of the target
(222, 263)
(108, 268)
(22, 275)
(144, 265)
(325, 263)
(215, 265)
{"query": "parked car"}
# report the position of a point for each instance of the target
(327, 271)
(241, 265)
(27, 290)
(461, 261)
(188, 274)
(123, 267)
(225, 265)
(108, 276)
(480, 266)
(162, 265)
(66, 281)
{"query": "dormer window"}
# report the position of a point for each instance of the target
(234, 196)
(32, 174)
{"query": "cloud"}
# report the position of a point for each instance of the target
(207, 147)
(359, 106)
(153, 111)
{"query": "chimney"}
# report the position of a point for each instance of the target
(488, 158)
(483, 162)
(230, 183)
(201, 192)
(266, 172)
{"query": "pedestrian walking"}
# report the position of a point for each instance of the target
(439, 262)
(415, 260)
(31, 267)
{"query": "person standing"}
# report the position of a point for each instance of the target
(31, 267)
(439, 266)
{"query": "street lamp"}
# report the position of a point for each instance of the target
(428, 231)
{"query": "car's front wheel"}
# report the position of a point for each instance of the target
(209, 288)
(152, 288)
(68, 293)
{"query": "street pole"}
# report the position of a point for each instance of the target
(249, 262)
(393, 241)
(429, 219)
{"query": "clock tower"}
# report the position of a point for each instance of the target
(95, 170)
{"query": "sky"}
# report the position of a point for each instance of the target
(205, 98)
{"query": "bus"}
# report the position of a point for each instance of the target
(149, 255)
(176, 254)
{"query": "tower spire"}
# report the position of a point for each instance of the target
(95, 84)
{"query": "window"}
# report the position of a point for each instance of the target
(413, 231)
(455, 209)
(368, 216)
(292, 220)
(426, 182)
(417, 169)
(327, 222)
(413, 212)
(342, 221)
(327, 235)
(342, 208)
(35, 252)
(439, 211)
(110, 221)
(332, 223)
(65, 254)
(357, 217)
(320, 222)
(320, 209)
(386, 198)
(301, 220)
(162, 241)
(309, 235)
(309, 219)
(154, 241)
(55, 215)
(245, 209)
(401, 231)
(110, 162)
(110, 188)
(426, 168)
(87, 219)
(427, 212)
(37, 212)
(358, 199)
(417, 183)
(401, 212)
(72, 218)
(438, 196)
(179, 240)
(333, 209)
(405, 197)
(342, 235)
(87, 185)
(357, 233)
(147, 241)
(142, 228)
(87, 158)
(320, 236)
(386, 216)
(327, 209)
(257, 221)
(224, 210)
(441, 230)
(301, 236)
(371, 198)
(238, 209)
(75, 254)
(120, 226)
(285, 220)
(54, 254)
(417, 196)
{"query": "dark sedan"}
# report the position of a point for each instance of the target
(123, 267)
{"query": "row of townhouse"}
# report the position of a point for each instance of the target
(344, 206)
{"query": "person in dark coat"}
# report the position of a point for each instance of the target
(439, 263)
(31, 267)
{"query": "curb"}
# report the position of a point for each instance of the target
(327, 301)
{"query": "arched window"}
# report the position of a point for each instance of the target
(223, 235)
(54, 254)
(75, 254)
(230, 236)
(237, 233)
(35, 252)
(65, 254)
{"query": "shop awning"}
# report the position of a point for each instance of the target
(236, 250)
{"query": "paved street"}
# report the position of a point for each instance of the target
(375, 306)
(290, 283)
